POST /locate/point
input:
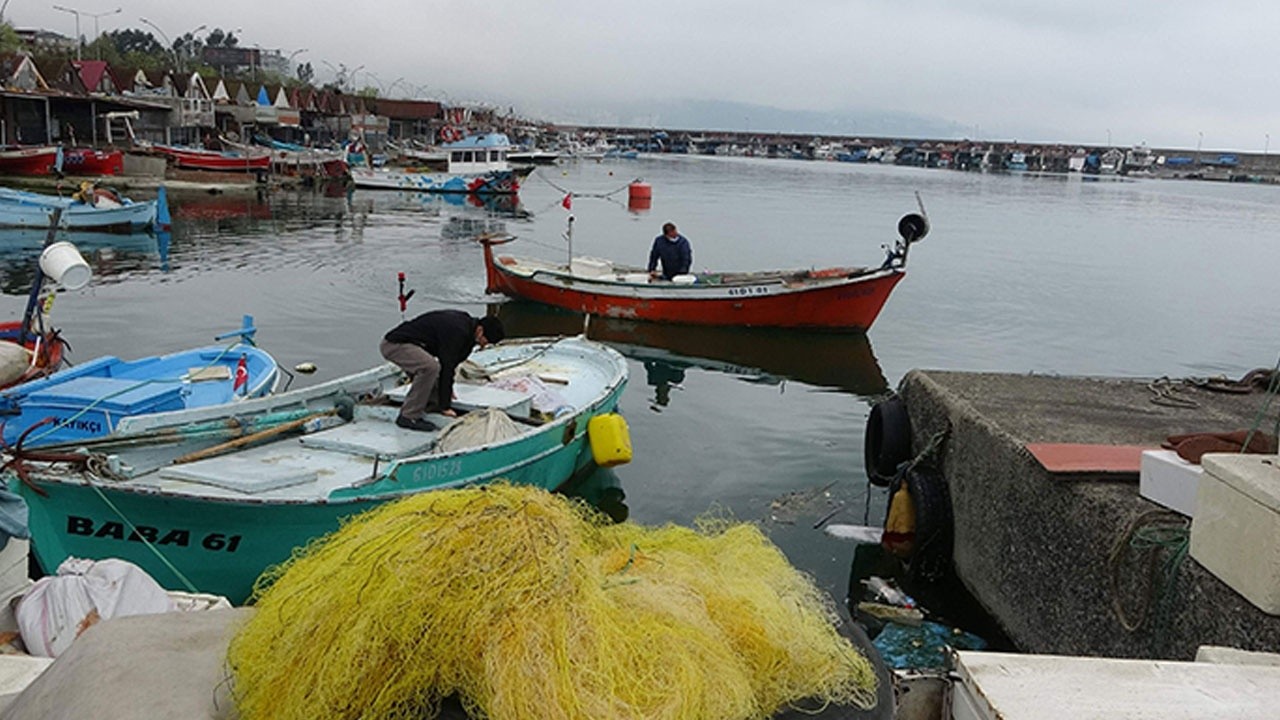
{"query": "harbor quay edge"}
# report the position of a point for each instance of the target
(1036, 549)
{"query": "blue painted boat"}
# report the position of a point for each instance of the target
(210, 514)
(91, 399)
(90, 208)
(476, 164)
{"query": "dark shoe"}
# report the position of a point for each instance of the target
(415, 424)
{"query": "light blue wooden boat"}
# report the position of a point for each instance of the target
(91, 399)
(23, 209)
(200, 512)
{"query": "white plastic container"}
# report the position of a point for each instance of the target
(61, 262)
(590, 267)
(684, 279)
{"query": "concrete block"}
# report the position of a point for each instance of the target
(1169, 480)
(1234, 656)
(1006, 686)
(1236, 531)
(136, 165)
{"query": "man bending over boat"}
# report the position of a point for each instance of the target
(430, 348)
(674, 252)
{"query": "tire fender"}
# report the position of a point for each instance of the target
(887, 443)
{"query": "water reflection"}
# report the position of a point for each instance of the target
(111, 255)
(602, 489)
(662, 375)
(842, 361)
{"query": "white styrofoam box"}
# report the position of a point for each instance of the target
(1169, 480)
(474, 397)
(590, 267)
(468, 397)
(1236, 531)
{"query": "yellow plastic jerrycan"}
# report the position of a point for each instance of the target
(610, 440)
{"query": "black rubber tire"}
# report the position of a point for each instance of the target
(888, 440)
(934, 524)
(913, 227)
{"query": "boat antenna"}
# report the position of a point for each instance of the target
(37, 282)
(568, 236)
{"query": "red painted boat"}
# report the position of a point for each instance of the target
(45, 353)
(845, 299)
(28, 160)
(89, 162)
(197, 159)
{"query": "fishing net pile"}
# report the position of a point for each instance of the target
(527, 605)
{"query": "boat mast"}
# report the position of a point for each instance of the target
(568, 236)
(37, 282)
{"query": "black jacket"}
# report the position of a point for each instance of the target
(449, 335)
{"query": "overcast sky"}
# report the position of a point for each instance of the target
(1171, 74)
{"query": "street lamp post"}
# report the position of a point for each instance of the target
(188, 40)
(96, 32)
(167, 41)
(77, 14)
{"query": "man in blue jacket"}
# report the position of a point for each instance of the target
(674, 252)
(430, 348)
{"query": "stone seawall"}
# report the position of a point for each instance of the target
(1035, 548)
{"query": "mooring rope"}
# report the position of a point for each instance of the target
(1272, 388)
(1150, 534)
(571, 193)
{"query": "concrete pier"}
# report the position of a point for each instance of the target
(1035, 548)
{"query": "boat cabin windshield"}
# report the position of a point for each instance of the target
(477, 156)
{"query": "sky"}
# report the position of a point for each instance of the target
(1171, 74)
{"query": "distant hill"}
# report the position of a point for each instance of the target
(720, 115)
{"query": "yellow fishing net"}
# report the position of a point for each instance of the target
(528, 605)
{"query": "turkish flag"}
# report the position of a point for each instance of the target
(567, 202)
(242, 376)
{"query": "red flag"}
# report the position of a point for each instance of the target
(567, 202)
(242, 376)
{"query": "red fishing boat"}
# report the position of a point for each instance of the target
(845, 298)
(51, 159)
(197, 159)
(89, 162)
(28, 160)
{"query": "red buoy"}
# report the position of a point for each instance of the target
(639, 195)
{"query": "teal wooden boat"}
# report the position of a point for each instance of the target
(203, 513)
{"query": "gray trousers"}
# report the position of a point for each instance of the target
(424, 368)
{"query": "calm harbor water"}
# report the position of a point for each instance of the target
(1020, 273)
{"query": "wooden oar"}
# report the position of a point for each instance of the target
(252, 438)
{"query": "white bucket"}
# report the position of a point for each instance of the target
(61, 262)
